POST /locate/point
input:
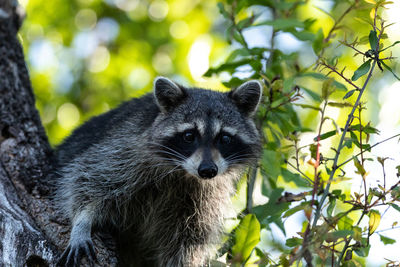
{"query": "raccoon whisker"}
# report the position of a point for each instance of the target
(238, 159)
(167, 147)
(159, 178)
(239, 154)
(173, 152)
(170, 154)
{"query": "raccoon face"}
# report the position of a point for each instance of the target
(203, 132)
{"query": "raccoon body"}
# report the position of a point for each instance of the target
(159, 169)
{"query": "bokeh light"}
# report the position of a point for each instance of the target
(68, 116)
(198, 57)
(158, 10)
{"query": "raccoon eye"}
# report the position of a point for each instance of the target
(188, 137)
(226, 139)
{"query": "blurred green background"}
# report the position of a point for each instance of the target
(87, 56)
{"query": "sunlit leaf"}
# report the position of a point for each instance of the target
(345, 223)
(374, 220)
(327, 89)
(247, 236)
(360, 168)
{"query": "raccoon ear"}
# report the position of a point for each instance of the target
(167, 93)
(247, 96)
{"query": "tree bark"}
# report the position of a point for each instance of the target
(31, 231)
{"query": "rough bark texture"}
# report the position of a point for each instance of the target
(31, 232)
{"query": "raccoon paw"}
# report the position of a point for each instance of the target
(75, 251)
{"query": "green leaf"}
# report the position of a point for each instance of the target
(308, 106)
(395, 206)
(272, 210)
(271, 163)
(331, 207)
(312, 94)
(247, 236)
(294, 242)
(345, 223)
(245, 23)
(318, 42)
(238, 37)
(386, 240)
(327, 88)
(303, 35)
(325, 135)
(349, 93)
(362, 251)
(373, 40)
(340, 104)
(230, 67)
(222, 10)
(360, 168)
(362, 70)
(288, 176)
(264, 259)
(241, 52)
(296, 209)
(288, 84)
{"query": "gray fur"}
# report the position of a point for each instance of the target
(115, 171)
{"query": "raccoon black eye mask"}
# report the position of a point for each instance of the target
(159, 170)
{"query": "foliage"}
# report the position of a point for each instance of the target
(86, 56)
(337, 224)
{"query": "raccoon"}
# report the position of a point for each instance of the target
(160, 171)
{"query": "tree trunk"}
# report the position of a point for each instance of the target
(31, 232)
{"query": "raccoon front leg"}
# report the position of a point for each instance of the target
(80, 243)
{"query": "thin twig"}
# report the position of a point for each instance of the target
(374, 145)
(335, 27)
(333, 69)
(302, 173)
(340, 146)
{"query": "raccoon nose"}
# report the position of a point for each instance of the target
(207, 169)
